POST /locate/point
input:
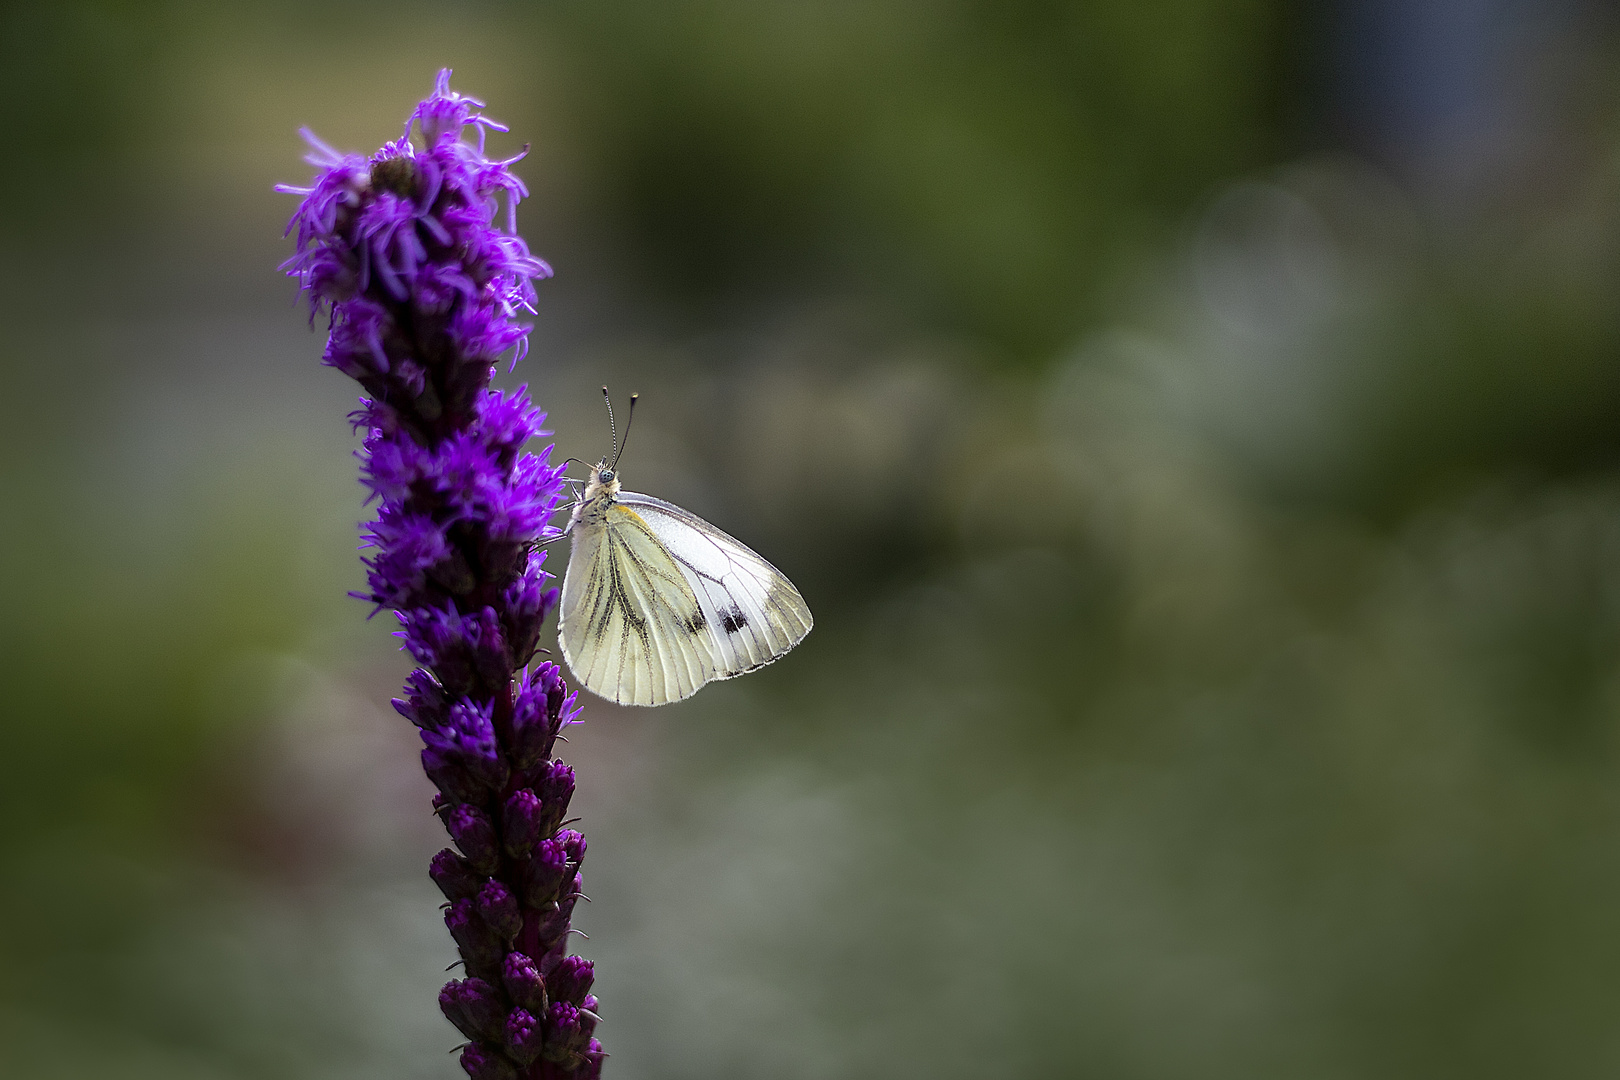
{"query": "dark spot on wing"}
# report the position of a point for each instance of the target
(697, 621)
(733, 620)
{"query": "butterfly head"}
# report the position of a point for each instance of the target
(604, 481)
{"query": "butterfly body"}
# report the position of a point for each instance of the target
(657, 602)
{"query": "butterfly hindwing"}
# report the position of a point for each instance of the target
(752, 612)
(630, 626)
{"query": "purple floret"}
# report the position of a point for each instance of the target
(423, 278)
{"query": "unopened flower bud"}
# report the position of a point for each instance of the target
(499, 909)
(490, 656)
(543, 874)
(522, 823)
(451, 779)
(465, 744)
(523, 983)
(554, 922)
(474, 834)
(486, 1063)
(554, 783)
(479, 944)
(568, 1031)
(454, 875)
(591, 1069)
(534, 720)
(523, 1036)
(571, 979)
(526, 603)
(425, 703)
(574, 844)
(475, 1008)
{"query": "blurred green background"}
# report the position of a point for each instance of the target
(1194, 423)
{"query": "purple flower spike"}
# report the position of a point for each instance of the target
(414, 256)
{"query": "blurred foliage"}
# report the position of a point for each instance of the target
(1212, 524)
(979, 167)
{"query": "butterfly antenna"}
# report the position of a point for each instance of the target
(627, 422)
(611, 425)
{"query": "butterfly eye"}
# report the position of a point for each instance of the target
(607, 476)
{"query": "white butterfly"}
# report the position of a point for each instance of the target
(657, 602)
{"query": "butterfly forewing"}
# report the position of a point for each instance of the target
(752, 613)
(630, 626)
